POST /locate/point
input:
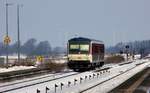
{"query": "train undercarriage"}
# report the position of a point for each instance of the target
(84, 65)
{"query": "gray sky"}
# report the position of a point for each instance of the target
(111, 21)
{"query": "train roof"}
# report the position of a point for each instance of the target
(86, 39)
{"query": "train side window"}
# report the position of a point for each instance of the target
(97, 49)
(102, 48)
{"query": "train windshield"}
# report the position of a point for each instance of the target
(79, 48)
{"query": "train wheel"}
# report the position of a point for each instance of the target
(92, 67)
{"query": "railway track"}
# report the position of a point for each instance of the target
(22, 73)
(105, 81)
(63, 79)
(36, 81)
(131, 85)
(32, 79)
(85, 91)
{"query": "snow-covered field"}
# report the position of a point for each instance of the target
(15, 68)
(105, 80)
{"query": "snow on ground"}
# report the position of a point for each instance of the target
(50, 84)
(111, 84)
(76, 87)
(34, 80)
(15, 68)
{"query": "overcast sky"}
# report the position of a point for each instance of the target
(111, 21)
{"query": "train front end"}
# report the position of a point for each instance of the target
(79, 57)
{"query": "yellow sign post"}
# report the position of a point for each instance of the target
(39, 58)
(7, 40)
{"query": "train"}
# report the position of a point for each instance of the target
(85, 54)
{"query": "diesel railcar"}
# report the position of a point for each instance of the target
(85, 53)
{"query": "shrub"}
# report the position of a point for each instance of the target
(52, 66)
(24, 62)
(114, 59)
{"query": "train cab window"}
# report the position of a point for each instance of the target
(84, 47)
(74, 46)
(79, 49)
